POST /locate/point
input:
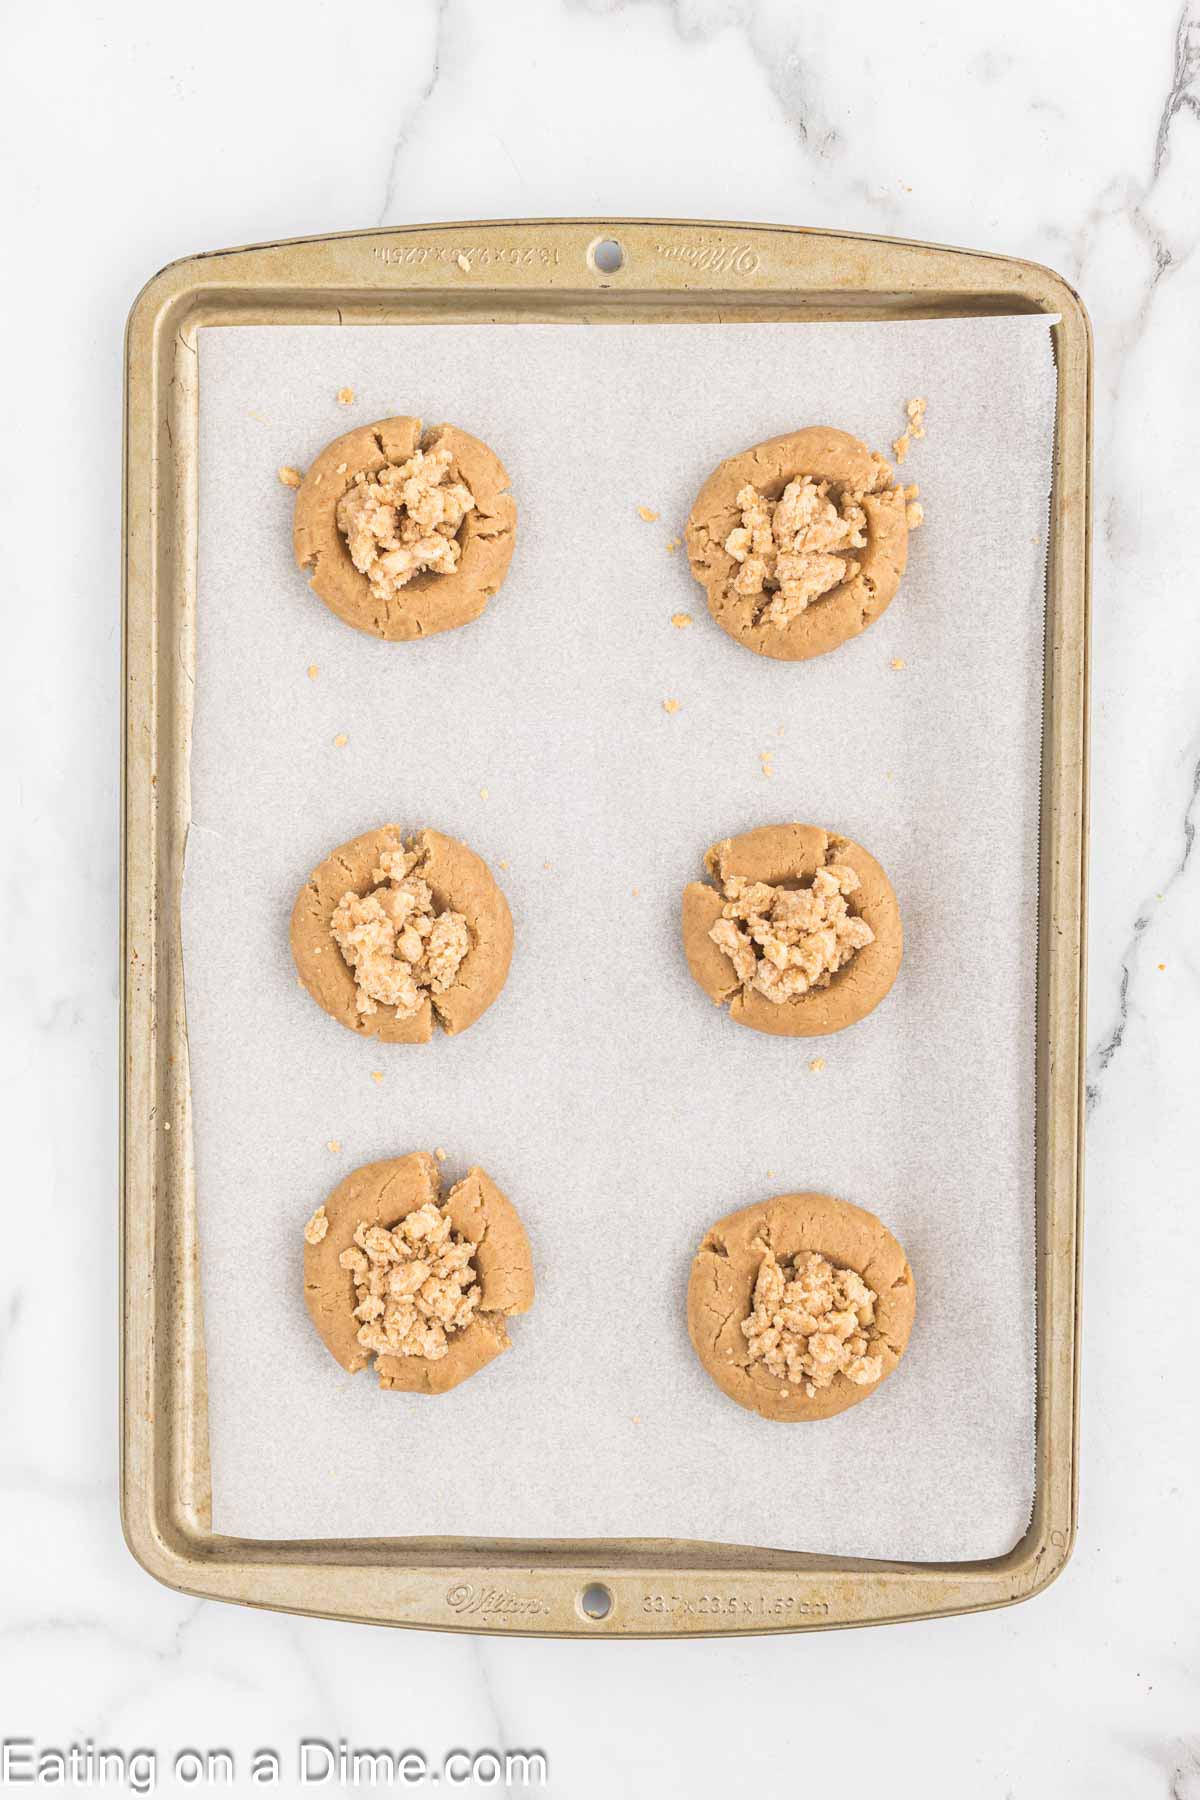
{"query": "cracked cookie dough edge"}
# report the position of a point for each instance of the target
(826, 453)
(777, 853)
(382, 1193)
(721, 1285)
(460, 879)
(431, 602)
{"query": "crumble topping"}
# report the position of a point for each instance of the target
(783, 941)
(811, 1321)
(795, 549)
(404, 519)
(316, 1228)
(397, 945)
(414, 1285)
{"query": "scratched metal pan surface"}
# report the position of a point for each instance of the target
(546, 270)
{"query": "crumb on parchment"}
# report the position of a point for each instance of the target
(290, 477)
(345, 396)
(376, 1075)
(811, 1321)
(334, 1144)
(817, 1065)
(784, 941)
(313, 671)
(404, 520)
(397, 946)
(681, 621)
(648, 513)
(414, 1283)
(316, 1228)
(673, 545)
(340, 741)
(670, 706)
(440, 1153)
(915, 428)
(898, 662)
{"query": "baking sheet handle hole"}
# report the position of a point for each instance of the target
(605, 256)
(595, 1601)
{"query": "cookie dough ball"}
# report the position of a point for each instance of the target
(406, 532)
(423, 1284)
(390, 933)
(800, 542)
(800, 1306)
(798, 933)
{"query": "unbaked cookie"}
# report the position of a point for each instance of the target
(799, 542)
(390, 933)
(800, 1306)
(422, 1283)
(799, 932)
(406, 533)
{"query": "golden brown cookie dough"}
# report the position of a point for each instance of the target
(432, 600)
(481, 1288)
(790, 857)
(459, 885)
(850, 591)
(728, 1289)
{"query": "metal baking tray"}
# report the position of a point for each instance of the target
(556, 270)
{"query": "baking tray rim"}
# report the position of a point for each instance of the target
(529, 270)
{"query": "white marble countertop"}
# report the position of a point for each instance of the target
(1057, 130)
